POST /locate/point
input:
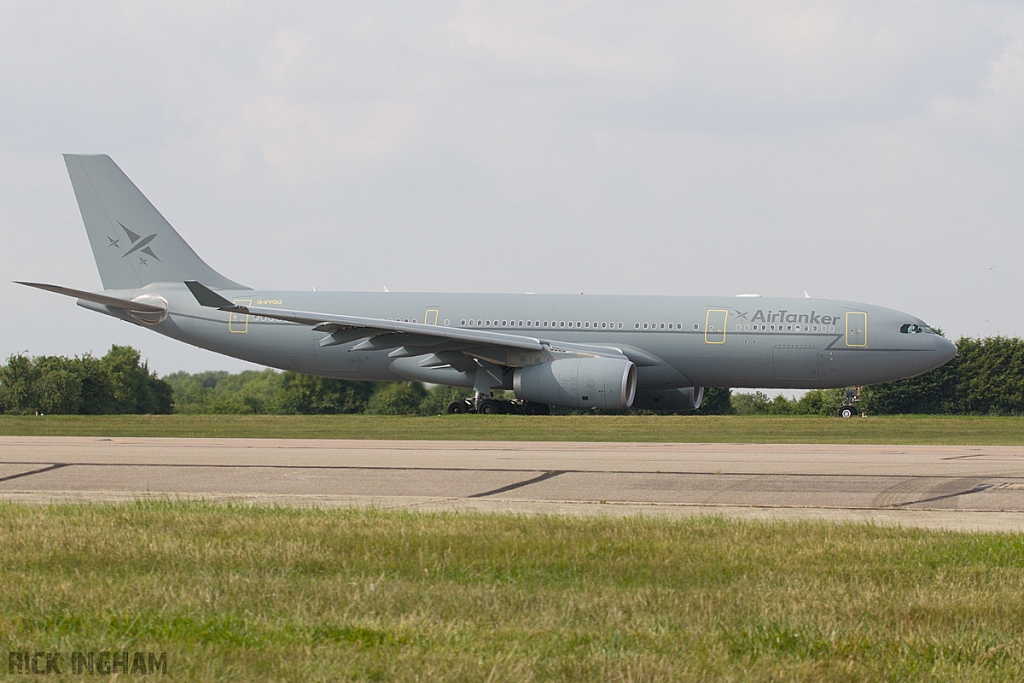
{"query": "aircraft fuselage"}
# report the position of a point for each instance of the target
(692, 341)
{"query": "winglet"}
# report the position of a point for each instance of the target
(207, 297)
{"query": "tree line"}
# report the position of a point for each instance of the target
(986, 378)
(116, 383)
(289, 393)
(120, 383)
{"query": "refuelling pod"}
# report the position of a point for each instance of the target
(150, 317)
(673, 400)
(606, 383)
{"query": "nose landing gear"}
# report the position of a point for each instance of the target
(849, 409)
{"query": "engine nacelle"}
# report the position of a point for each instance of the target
(674, 400)
(606, 383)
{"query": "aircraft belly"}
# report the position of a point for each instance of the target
(286, 347)
(338, 360)
(656, 377)
(370, 366)
(796, 363)
(735, 371)
(869, 366)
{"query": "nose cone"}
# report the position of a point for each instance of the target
(945, 351)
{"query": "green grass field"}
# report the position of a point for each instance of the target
(257, 593)
(979, 431)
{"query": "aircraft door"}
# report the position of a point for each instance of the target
(714, 326)
(238, 323)
(430, 316)
(856, 328)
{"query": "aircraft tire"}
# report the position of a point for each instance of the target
(456, 408)
(847, 412)
(490, 408)
(538, 409)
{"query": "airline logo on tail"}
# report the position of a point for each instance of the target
(139, 244)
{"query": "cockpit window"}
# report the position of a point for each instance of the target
(911, 328)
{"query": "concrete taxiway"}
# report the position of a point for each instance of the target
(953, 487)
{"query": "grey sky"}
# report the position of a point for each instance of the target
(862, 150)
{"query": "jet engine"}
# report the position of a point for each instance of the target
(607, 383)
(675, 400)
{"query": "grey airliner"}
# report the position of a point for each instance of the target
(602, 352)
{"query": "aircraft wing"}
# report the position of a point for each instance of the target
(382, 334)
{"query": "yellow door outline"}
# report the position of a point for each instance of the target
(714, 328)
(430, 317)
(236, 323)
(863, 330)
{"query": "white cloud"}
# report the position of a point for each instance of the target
(996, 113)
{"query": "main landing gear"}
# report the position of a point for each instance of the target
(491, 406)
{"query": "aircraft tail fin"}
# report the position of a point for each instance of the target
(132, 243)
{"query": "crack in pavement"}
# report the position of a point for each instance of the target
(977, 489)
(520, 484)
(56, 466)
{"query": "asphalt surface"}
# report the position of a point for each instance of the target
(951, 487)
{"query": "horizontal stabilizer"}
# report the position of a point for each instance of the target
(101, 299)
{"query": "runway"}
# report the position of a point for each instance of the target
(951, 487)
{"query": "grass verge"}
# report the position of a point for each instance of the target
(261, 593)
(975, 431)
